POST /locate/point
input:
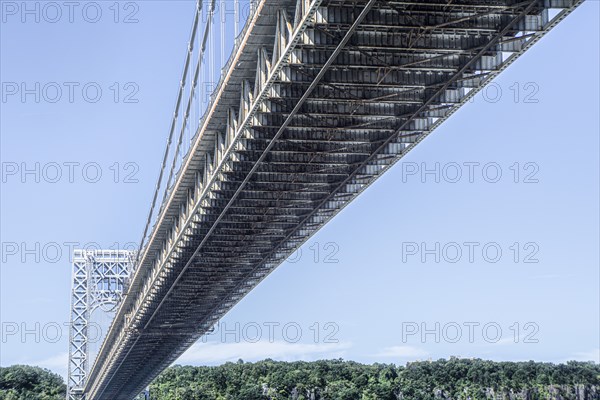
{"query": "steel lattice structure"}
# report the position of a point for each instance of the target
(318, 100)
(100, 278)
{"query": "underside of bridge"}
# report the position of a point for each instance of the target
(319, 100)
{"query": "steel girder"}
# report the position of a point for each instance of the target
(321, 98)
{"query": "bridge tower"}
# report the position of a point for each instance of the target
(100, 278)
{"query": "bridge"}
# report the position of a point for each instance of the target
(315, 100)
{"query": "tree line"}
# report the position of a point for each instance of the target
(451, 379)
(346, 380)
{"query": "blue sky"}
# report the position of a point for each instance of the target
(372, 289)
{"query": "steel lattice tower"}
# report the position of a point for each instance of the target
(100, 278)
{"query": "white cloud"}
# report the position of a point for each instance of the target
(505, 341)
(56, 363)
(402, 352)
(592, 355)
(218, 353)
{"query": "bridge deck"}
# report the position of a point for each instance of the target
(321, 98)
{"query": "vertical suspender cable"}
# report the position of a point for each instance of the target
(185, 118)
(223, 16)
(188, 117)
(169, 140)
(202, 64)
(236, 12)
(212, 49)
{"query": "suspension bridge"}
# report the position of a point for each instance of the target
(313, 100)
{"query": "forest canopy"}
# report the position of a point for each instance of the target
(342, 380)
(347, 380)
(22, 382)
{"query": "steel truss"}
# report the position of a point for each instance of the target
(320, 98)
(100, 278)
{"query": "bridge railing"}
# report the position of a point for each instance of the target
(214, 40)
